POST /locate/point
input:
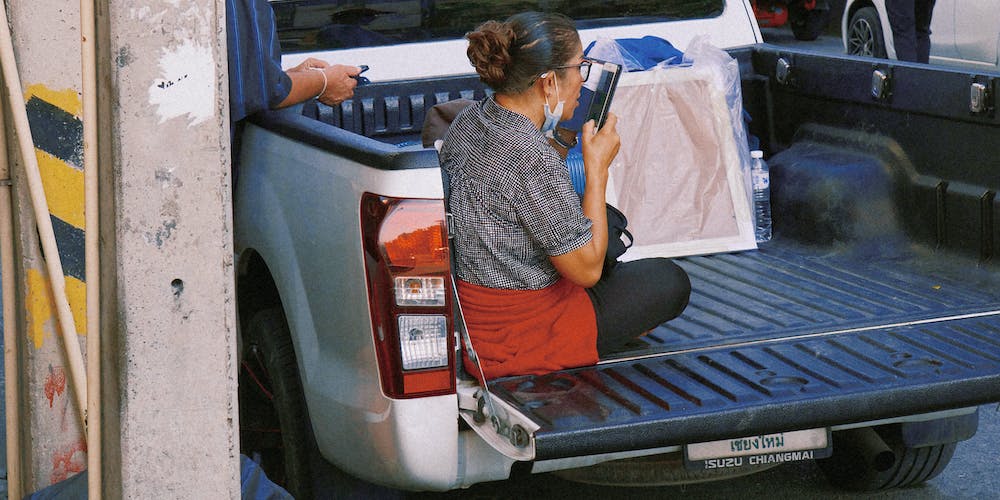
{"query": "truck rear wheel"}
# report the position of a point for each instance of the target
(273, 424)
(855, 466)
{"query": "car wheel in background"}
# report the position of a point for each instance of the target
(864, 34)
(807, 25)
(273, 425)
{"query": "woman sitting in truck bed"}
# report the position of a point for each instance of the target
(535, 293)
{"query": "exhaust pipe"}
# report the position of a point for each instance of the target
(877, 455)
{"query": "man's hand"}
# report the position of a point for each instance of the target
(340, 83)
(308, 79)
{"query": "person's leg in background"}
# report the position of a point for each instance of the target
(923, 11)
(902, 19)
(634, 297)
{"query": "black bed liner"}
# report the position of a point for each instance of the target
(780, 339)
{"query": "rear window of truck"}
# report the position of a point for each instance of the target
(309, 25)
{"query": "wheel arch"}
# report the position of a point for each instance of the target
(255, 286)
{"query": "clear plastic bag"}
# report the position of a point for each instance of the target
(726, 71)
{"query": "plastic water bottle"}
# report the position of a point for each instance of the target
(761, 181)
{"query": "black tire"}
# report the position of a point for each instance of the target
(864, 34)
(654, 470)
(807, 25)
(848, 468)
(274, 425)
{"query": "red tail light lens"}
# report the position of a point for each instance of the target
(407, 266)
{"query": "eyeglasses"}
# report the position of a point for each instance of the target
(584, 68)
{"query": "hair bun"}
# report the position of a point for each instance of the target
(489, 51)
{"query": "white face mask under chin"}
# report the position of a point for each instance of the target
(552, 117)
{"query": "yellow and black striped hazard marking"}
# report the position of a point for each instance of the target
(57, 131)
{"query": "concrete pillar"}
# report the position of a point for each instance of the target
(175, 324)
(45, 36)
(168, 319)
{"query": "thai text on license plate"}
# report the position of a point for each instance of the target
(759, 450)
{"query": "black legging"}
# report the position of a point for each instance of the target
(634, 297)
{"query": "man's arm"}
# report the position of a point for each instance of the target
(256, 79)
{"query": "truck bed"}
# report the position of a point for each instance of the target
(786, 337)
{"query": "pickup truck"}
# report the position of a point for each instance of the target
(864, 334)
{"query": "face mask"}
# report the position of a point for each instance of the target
(552, 117)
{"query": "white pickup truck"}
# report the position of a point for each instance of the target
(868, 328)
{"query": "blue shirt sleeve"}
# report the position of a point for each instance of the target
(256, 80)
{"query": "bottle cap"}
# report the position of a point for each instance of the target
(756, 154)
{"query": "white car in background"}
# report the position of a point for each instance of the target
(963, 32)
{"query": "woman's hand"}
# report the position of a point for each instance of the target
(599, 149)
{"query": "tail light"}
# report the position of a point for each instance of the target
(407, 265)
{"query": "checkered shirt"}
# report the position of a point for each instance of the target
(512, 200)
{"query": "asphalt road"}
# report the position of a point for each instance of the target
(828, 42)
(974, 471)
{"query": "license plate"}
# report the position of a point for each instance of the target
(759, 450)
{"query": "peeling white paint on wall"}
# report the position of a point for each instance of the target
(194, 23)
(145, 13)
(186, 84)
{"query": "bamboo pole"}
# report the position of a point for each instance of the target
(12, 360)
(67, 326)
(88, 58)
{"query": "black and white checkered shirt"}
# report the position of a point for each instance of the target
(512, 200)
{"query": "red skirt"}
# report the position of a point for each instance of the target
(522, 332)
